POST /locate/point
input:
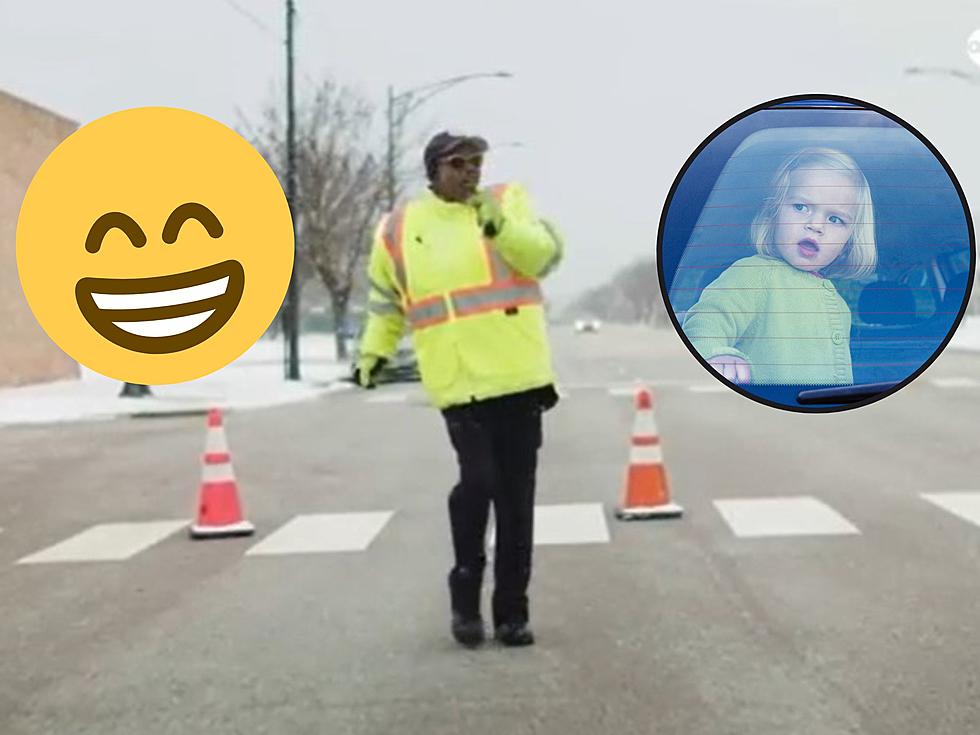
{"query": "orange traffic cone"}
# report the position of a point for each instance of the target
(647, 494)
(219, 513)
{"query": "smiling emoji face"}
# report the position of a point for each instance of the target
(155, 245)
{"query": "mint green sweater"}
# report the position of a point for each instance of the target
(790, 325)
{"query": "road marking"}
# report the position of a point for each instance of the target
(786, 516)
(106, 542)
(568, 524)
(710, 388)
(966, 505)
(955, 382)
(623, 390)
(388, 398)
(322, 533)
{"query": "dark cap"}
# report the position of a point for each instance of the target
(445, 144)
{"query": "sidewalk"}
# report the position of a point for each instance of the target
(254, 380)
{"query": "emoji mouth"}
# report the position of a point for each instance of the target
(162, 314)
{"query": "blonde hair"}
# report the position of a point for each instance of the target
(860, 254)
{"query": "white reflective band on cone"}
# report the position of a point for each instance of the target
(242, 528)
(218, 473)
(215, 441)
(646, 454)
(667, 510)
(644, 424)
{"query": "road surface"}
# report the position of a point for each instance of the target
(823, 579)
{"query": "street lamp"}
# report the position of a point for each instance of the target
(409, 101)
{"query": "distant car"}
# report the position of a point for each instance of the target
(402, 367)
(904, 314)
(587, 325)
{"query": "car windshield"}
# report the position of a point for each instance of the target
(821, 254)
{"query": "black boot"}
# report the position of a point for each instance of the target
(468, 632)
(464, 593)
(514, 634)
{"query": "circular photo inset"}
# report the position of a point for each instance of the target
(816, 253)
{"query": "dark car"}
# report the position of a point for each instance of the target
(403, 366)
(903, 314)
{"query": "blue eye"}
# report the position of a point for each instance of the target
(799, 207)
(835, 220)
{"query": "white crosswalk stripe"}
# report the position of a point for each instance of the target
(782, 516)
(323, 533)
(568, 524)
(955, 382)
(710, 388)
(622, 391)
(106, 542)
(963, 504)
(388, 398)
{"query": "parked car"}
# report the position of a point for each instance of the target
(587, 325)
(402, 367)
(905, 313)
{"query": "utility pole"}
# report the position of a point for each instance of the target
(291, 312)
(401, 105)
(390, 168)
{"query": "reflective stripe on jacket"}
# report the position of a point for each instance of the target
(473, 304)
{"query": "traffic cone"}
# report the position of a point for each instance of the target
(647, 493)
(219, 514)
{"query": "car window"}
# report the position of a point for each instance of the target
(872, 316)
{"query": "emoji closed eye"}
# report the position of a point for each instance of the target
(191, 210)
(117, 220)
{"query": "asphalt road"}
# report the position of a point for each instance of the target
(860, 616)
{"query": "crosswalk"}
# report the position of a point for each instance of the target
(564, 524)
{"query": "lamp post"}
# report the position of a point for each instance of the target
(401, 105)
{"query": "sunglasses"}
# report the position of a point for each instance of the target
(460, 162)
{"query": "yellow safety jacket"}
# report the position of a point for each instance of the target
(473, 303)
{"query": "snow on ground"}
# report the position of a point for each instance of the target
(252, 381)
(967, 335)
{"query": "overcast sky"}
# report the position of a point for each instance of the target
(608, 99)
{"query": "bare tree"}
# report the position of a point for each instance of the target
(340, 187)
(640, 289)
(632, 294)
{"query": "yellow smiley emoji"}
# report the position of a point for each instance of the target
(154, 245)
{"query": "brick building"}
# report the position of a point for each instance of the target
(28, 134)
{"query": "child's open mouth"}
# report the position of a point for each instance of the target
(808, 248)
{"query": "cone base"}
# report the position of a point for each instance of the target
(644, 512)
(242, 528)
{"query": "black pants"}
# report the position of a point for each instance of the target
(496, 443)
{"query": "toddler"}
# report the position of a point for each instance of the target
(776, 317)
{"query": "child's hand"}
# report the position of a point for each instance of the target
(732, 368)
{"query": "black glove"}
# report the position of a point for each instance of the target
(549, 398)
(366, 370)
